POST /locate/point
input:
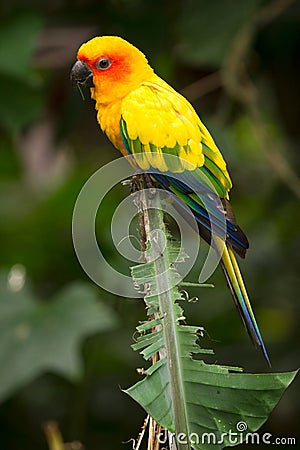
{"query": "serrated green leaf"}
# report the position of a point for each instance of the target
(148, 325)
(198, 285)
(36, 336)
(216, 400)
(186, 396)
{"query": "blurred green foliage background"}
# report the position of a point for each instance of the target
(65, 343)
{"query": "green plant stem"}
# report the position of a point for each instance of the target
(155, 232)
(53, 436)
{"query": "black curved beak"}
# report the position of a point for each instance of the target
(81, 74)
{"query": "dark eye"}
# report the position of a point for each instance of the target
(103, 63)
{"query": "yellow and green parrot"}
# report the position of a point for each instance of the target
(147, 119)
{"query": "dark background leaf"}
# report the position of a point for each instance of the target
(38, 337)
(207, 34)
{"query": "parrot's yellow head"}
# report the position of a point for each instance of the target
(111, 67)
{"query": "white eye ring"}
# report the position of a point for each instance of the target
(103, 63)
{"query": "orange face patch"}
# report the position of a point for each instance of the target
(129, 67)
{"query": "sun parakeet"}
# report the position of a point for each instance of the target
(147, 119)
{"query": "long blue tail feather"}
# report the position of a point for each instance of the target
(240, 296)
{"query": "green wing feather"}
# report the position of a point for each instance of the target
(157, 121)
